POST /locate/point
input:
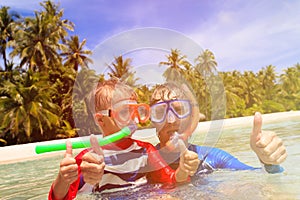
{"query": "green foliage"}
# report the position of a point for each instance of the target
(28, 106)
(86, 81)
(270, 106)
(36, 95)
(176, 62)
(122, 70)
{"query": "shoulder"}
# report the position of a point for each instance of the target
(144, 144)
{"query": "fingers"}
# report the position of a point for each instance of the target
(278, 156)
(95, 146)
(269, 143)
(91, 157)
(257, 124)
(191, 166)
(282, 158)
(266, 139)
(274, 152)
(92, 169)
(91, 178)
(68, 170)
(92, 165)
(69, 149)
(190, 162)
(69, 173)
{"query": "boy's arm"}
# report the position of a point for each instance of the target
(91, 168)
(160, 172)
(68, 174)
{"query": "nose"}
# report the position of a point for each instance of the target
(170, 117)
(136, 120)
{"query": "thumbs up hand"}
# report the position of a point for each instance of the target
(189, 162)
(92, 165)
(266, 144)
(68, 170)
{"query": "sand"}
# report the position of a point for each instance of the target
(17, 153)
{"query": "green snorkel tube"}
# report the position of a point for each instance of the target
(126, 131)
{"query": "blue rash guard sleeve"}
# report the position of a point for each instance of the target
(215, 158)
(218, 159)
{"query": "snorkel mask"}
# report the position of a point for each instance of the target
(127, 111)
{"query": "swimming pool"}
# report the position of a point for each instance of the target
(32, 179)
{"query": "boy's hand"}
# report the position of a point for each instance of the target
(92, 165)
(188, 165)
(68, 171)
(189, 162)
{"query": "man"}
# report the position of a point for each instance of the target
(174, 110)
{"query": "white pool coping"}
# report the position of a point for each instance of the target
(23, 152)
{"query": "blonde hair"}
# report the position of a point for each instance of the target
(109, 92)
(166, 91)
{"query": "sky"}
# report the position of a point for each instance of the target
(243, 35)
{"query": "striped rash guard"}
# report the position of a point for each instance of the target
(128, 163)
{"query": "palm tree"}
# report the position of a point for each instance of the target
(62, 79)
(34, 46)
(234, 103)
(28, 107)
(9, 73)
(252, 89)
(75, 55)
(290, 79)
(121, 69)
(83, 105)
(267, 77)
(290, 87)
(206, 66)
(206, 63)
(57, 25)
(143, 93)
(175, 65)
(85, 82)
(38, 39)
(6, 28)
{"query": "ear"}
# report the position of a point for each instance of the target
(99, 119)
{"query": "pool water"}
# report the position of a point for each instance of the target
(32, 179)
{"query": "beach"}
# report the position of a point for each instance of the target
(24, 152)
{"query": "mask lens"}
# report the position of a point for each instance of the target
(127, 112)
(181, 108)
(158, 112)
(123, 113)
